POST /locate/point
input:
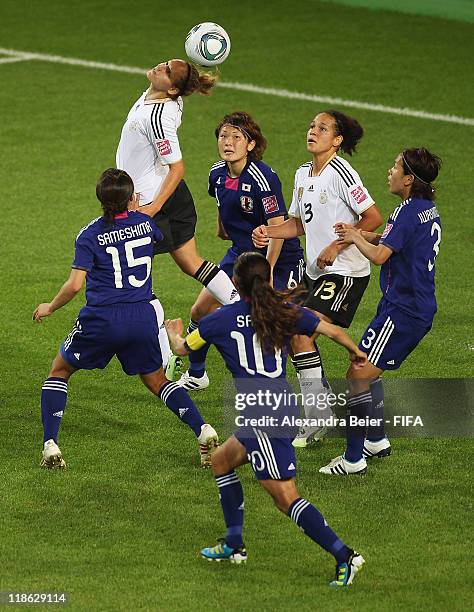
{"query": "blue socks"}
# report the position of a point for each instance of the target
(313, 523)
(377, 432)
(53, 405)
(232, 501)
(179, 402)
(197, 359)
(359, 406)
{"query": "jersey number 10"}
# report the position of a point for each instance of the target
(258, 356)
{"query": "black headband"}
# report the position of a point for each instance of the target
(411, 171)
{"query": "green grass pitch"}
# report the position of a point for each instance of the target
(121, 529)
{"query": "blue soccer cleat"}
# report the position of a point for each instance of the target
(345, 572)
(222, 552)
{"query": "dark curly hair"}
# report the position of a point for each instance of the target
(251, 130)
(347, 127)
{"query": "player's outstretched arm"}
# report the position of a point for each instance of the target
(376, 253)
(168, 187)
(290, 228)
(371, 237)
(67, 292)
(358, 357)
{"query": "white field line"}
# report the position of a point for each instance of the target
(10, 60)
(269, 91)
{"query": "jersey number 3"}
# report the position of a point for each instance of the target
(435, 228)
(132, 262)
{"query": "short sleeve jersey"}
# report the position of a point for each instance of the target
(230, 329)
(149, 142)
(117, 258)
(407, 278)
(337, 194)
(248, 201)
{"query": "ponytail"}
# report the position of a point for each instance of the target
(273, 318)
(193, 80)
(347, 127)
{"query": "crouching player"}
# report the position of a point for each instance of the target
(407, 252)
(258, 350)
(113, 254)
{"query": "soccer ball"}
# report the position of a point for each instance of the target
(207, 44)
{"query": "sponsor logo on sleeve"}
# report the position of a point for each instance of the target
(358, 194)
(163, 146)
(387, 230)
(270, 204)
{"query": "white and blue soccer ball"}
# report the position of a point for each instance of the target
(207, 44)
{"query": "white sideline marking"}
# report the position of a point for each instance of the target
(10, 60)
(282, 93)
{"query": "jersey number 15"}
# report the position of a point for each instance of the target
(132, 262)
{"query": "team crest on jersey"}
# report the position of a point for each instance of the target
(387, 230)
(163, 146)
(323, 197)
(358, 194)
(270, 204)
(247, 203)
(300, 193)
(246, 187)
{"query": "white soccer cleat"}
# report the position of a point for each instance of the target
(192, 383)
(52, 457)
(208, 442)
(307, 435)
(381, 448)
(341, 467)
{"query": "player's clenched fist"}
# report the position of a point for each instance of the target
(260, 237)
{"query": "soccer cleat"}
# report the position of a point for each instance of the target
(173, 367)
(341, 467)
(52, 457)
(208, 442)
(222, 552)
(379, 449)
(307, 435)
(193, 383)
(345, 572)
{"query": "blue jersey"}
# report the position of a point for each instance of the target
(248, 201)
(230, 329)
(117, 257)
(407, 278)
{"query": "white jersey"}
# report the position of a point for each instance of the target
(337, 194)
(149, 142)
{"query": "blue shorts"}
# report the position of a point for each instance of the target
(129, 331)
(271, 458)
(286, 275)
(391, 336)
